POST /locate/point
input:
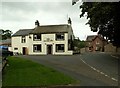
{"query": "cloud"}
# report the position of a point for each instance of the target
(17, 11)
(36, 1)
(18, 15)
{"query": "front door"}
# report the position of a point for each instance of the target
(24, 50)
(49, 49)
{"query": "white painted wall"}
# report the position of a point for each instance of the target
(16, 43)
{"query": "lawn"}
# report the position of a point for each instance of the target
(22, 72)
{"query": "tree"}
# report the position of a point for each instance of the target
(5, 34)
(104, 18)
(78, 43)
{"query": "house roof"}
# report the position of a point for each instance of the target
(23, 32)
(93, 37)
(44, 29)
(90, 37)
(51, 29)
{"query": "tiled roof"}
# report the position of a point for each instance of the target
(90, 37)
(93, 37)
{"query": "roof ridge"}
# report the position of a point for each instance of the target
(54, 25)
(25, 29)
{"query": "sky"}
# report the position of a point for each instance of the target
(22, 14)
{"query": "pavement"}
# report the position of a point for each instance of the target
(79, 67)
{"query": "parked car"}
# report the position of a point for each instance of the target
(5, 53)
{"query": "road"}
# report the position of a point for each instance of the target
(102, 62)
(79, 67)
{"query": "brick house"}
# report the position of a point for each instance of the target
(95, 43)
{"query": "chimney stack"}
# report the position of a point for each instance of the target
(37, 23)
(69, 21)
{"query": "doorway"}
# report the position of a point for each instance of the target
(24, 49)
(49, 49)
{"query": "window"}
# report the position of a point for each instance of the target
(96, 48)
(60, 36)
(23, 39)
(59, 47)
(37, 48)
(89, 48)
(37, 37)
(97, 42)
(15, 48)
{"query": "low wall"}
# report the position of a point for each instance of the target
(110, 48)
(82, 50)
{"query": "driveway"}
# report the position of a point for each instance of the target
(74, 67)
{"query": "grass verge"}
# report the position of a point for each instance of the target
(22, 72)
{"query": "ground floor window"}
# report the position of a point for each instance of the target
(15, 48)
(37, 48)
(59, 47)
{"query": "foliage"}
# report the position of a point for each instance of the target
(82, 44)
(104, 18)
(23, 72)
(78, 43)
(5, 34)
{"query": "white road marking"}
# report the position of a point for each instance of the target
(102, 73)
(114, 56)
(114, 79)
(99, 71)
(106, 75)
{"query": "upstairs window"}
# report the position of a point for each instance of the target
(59, 47)
(60, 36)
(23, 39)
(37, 37)
(37, 48)
(97, 42)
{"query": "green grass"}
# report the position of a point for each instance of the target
(22, 72)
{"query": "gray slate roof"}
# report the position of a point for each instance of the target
(44, 29)
(51, 29)
(23, 32)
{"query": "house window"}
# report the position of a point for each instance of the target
(59, 47)
(60, 36)
(96, 48)
(97, 42)
(37, 37)
(15, 48)
(37, 48)
(23, 39)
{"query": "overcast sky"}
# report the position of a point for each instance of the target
(22, 15)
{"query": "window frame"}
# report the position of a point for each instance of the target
(97, 42)
(36, 46)
(37, 37)
(61, 38)
(60, 48)
(15, 48)
(23, 39)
